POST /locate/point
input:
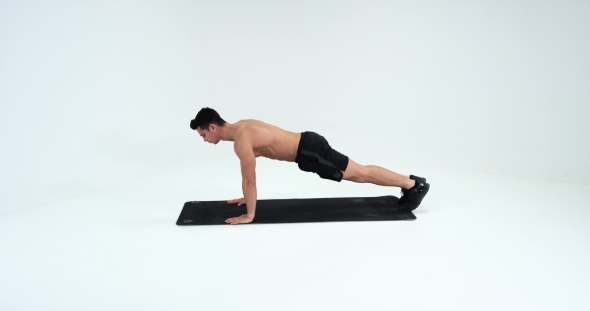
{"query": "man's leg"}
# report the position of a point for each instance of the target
(376, 175)
(412, 192)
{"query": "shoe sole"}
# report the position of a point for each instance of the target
(418, 179)
(422, 195)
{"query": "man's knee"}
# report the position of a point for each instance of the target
(327, 170)
(312, 162)
(355, 172)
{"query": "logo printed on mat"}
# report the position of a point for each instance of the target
(187, 221)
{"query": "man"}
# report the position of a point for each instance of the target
(311, 151)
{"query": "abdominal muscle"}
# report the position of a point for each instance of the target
(270, 141)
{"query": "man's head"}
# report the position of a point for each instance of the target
(207, 123)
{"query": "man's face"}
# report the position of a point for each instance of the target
(208, 136)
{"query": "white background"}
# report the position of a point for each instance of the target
(97, 92)
(489, 100)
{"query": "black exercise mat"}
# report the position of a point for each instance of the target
(296, 210)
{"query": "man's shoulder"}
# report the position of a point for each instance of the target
(246, 132)
(252, 130)
(258, 134)
(245, 136)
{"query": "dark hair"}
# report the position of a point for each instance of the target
(205, 117)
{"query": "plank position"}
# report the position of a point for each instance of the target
(311, 151)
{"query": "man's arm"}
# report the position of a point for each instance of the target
(244, 151)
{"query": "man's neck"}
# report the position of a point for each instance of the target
(227, 132)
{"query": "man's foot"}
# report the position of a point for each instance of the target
(402, 201)
(411, 198)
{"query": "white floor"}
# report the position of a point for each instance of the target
(481, 242)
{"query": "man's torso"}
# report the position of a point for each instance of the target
(268, 140)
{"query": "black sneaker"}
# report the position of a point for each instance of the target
(411, 198)
(416, 178)
(402, 201)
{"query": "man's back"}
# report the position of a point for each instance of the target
(268, 140)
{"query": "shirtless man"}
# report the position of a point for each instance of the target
(311, 151)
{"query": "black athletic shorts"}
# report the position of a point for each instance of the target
(314, 154)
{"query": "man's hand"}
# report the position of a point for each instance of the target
(239, 201)
(244, 219)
